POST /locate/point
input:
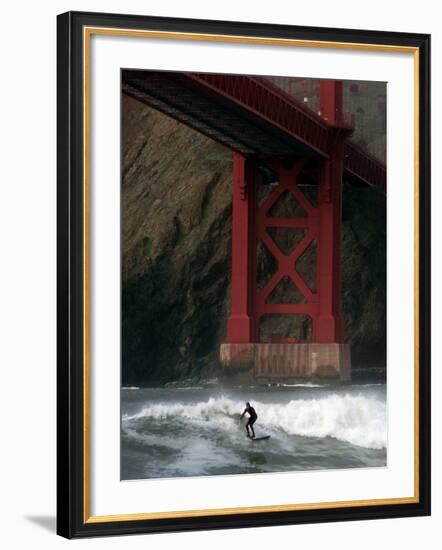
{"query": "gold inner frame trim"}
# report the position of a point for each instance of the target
(87, 33)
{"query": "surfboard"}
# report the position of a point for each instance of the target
(263, 438)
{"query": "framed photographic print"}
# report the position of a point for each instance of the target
(243, 274)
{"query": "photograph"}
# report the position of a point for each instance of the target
(253, 274)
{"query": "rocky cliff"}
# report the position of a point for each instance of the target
(176, 209)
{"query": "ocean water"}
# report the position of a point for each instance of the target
(195, 431)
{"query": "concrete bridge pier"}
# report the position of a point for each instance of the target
(279, 362)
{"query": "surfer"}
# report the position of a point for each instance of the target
(252, 419)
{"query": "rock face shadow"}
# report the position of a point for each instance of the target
(48, 523)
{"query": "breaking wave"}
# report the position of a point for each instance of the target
(355, 419)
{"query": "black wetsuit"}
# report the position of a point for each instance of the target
(252, 419)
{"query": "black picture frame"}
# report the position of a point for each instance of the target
(71, 518)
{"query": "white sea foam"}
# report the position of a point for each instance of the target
(186, 388)
(356, 419)
(302, 385)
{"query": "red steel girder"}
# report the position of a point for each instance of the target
(363, 166)
(286, 262)
(272, 104)
(251, 115)
(277, 107)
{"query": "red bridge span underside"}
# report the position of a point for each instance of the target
(251, 116)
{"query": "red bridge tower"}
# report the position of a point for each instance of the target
(324, 353)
